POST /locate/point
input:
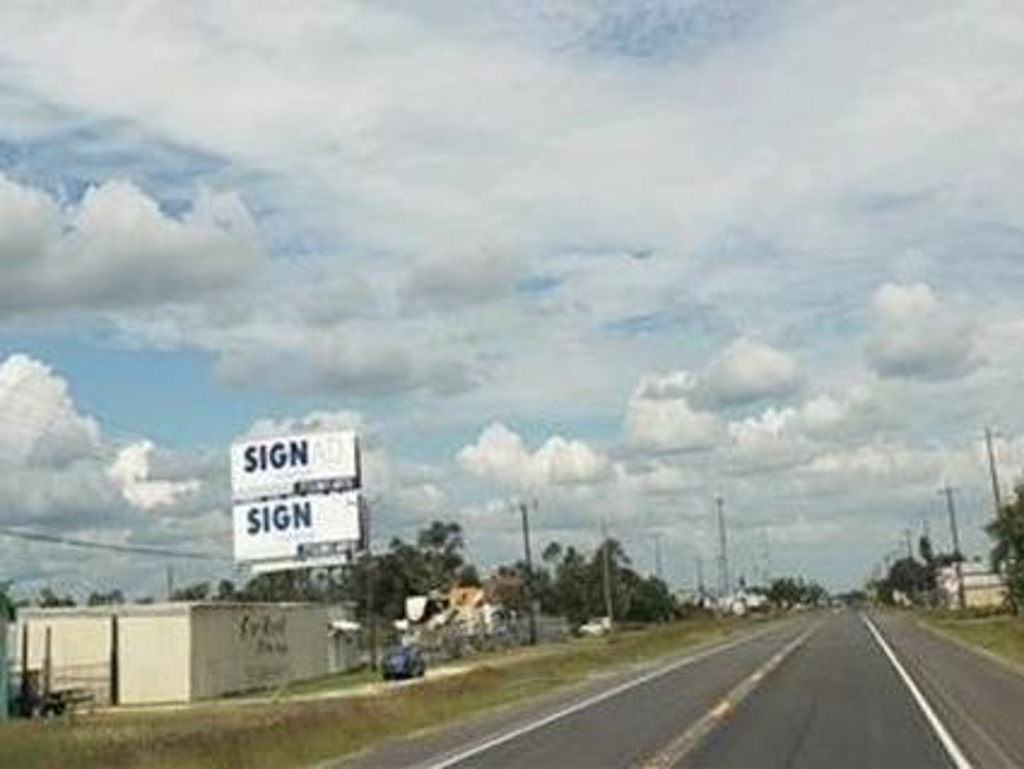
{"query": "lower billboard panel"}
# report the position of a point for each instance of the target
(278, 529)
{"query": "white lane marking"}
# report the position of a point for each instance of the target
(952, 749)
(576, 707)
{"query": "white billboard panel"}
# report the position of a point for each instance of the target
(276, 529)
(273, 467)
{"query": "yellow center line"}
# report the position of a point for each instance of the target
(678, 748)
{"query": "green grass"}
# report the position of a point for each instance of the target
(295, 733)
(331, 683)
(1001, 635)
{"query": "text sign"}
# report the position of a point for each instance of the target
(275, 466)
(279, 528)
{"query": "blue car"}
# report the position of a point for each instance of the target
(402, 662)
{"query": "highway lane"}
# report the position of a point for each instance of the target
(615, 722)
(980, 699)
(838, 702)
(814, 692)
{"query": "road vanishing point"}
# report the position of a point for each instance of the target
(843, 689)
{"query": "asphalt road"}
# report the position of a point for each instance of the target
(825, 691)
(837, 703)
(979, 699)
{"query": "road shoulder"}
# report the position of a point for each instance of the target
(979, 698)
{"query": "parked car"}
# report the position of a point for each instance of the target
(403, 662)
(596, 627)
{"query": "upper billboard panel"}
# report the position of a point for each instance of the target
(274, 467)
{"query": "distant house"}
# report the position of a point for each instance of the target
(983, 588)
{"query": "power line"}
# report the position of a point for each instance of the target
(53, 539)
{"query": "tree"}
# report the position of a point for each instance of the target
(200, 591)
(433, 562)
(441, 545)
(48, 599)
(572, 587)
(552, 553)
(570, 584)
(226, 591)
(651, 601)
(112, 598)
(468, 576)
(1007, 533)
(791, 591)
(7, 604)
(908, 576)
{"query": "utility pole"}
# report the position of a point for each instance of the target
(993, 471)
(606, 574)
(657, 556)
(908, 542)
(524, 509)
(371, 619)
(700, 579)
(170, 583)
(766, 557)
(954, 531)
(723, 553)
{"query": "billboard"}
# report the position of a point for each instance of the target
(273, 467)
(293, 493)
(279, 528)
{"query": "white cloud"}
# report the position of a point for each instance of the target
(659, 418)
(578, 135)
(117, 249)
(917, 337)
(314, 421)
(462, 278)
(500, 455)
(746, 371)
(131, 471)
(59, 471)
(39, 423)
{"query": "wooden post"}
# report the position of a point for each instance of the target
(47, 661)
(26, 690)
(115, 672)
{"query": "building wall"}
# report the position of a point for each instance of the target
(985, 597)
(79, 650)
(239, 648)
(154, 658)
(180, 652)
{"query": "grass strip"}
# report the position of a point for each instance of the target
(1001, 635)
(298, 733)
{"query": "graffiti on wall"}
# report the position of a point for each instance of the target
(265, 632)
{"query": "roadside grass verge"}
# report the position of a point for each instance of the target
(1001, 635)
(297, 733)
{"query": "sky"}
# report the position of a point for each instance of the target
(621, 257)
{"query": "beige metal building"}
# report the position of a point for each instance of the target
(176, 652)
(983, 588)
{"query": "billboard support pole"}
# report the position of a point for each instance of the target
(371, 618)
(26, 689)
